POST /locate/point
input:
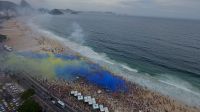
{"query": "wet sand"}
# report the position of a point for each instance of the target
(22, 38)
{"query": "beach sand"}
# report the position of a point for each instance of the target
(22, 38)
(19, 37)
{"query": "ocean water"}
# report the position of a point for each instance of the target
(159, 53)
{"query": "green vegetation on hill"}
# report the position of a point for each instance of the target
(3, 38)
(30, 105)
(27, 94)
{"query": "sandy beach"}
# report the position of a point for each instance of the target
(22, 38)
(137, 99)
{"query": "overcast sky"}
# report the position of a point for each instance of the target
(161, 8)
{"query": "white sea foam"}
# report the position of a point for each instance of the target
(176, 89)
(178, 83)
(129, 68)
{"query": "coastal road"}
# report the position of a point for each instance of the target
(42, 93)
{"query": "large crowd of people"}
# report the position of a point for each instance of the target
(136, 99)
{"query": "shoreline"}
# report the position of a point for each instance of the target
(21, 38)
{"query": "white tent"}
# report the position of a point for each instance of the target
(106, 109)
(72, 92)
(86, 99)
(75, 93)
(101, 108)
(90, 102)
(78, 94)
(80, 98)
(95, 106)
(93, 101)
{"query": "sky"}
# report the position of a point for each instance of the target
(157, 8)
